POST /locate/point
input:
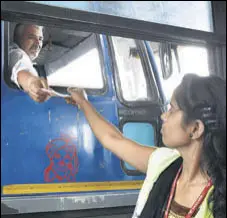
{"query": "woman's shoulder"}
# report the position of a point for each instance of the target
(163, 155)
(164, 152)
(160, 159)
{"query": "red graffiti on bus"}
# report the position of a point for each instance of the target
(63, 160)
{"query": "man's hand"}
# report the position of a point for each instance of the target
(33, 85)
(34, 89)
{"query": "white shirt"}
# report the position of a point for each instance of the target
(19, 60)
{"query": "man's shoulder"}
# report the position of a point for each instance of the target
(16, 54)
(15, 51)
(14, 48)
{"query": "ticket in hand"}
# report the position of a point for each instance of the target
(82, 91)
(56, 94)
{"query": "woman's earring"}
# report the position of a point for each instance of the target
(190, 135)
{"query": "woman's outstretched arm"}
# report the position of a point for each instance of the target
(110, 137)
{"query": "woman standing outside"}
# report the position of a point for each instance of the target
(187, 178)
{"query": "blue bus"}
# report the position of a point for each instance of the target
(50, 159)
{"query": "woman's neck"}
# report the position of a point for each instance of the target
(191, 171)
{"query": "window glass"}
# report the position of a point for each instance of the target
(130, 70)
(142, 133)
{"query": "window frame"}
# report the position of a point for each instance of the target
(105, 88)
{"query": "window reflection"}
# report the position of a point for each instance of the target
(185, 59)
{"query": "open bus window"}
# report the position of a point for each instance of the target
(67, 58)
(173, 61)
(130, 71)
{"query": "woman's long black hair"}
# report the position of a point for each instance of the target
(204, 98)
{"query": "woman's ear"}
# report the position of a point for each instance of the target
(198, 129)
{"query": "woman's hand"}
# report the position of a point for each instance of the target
(77, 96)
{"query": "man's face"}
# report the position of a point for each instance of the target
(32, 40)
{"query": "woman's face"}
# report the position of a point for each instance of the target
(173, 133)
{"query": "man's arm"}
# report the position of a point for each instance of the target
(33, 85)
(24, 75)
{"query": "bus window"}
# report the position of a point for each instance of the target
(68, 58)
(133, 84)
(173, 61)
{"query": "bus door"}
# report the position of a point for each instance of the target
(138, 98)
